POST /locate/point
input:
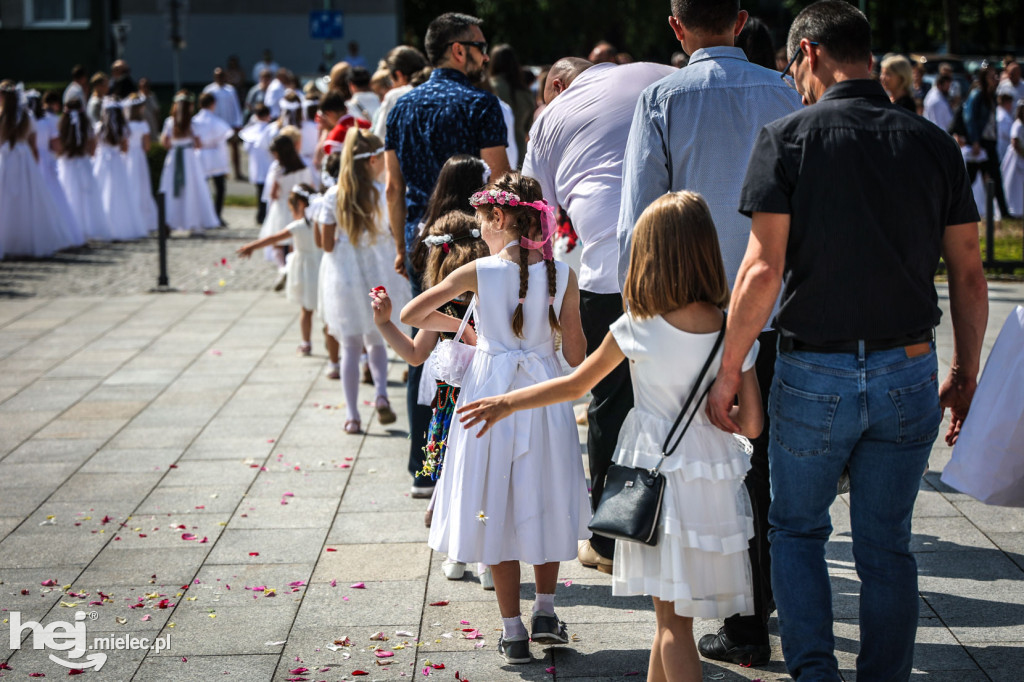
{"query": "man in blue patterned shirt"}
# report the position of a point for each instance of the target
(428, 125)
(694, 130)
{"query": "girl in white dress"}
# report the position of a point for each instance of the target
(138, 163)
(303, 262)
(30, 224)
(675, 292)
(1013, 165)
(517, 493)
(74, 170)
(257, 149)
(111, 170)
(187, 203)
(288, 171)
(354, 229)
(48, 144)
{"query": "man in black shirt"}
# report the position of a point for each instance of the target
(853, 200)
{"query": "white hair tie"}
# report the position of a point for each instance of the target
(290, 105)
(487, 172)
(366, 155)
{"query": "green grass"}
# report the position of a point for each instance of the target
(1008, 246)
(240, 200)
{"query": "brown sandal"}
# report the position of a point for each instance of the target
(353, 427)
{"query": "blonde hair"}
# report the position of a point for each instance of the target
(358, 206)
(525, 223)
(675, 259)
(466, 246)
(899, 66)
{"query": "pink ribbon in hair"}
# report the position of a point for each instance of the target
(547, 229)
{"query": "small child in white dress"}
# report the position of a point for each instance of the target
(303, 262)
(138, 163)
(517, 493)
(675, 291)
(287, 171)
(75, 148)
(120, 204)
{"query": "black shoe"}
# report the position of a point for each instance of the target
(515, 650)
(546, 628)
(720, 648)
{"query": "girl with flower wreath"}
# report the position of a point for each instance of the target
(518, 492)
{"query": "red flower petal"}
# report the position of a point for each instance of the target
(439, 603)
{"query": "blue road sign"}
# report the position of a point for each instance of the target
(326, 25)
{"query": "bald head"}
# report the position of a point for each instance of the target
(561, 75)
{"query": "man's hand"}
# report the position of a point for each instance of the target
(721, 399)
(400, 266)
(956, 393)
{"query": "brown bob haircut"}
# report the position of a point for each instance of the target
(466, 246)
(675, 259)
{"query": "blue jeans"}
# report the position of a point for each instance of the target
(878, 413)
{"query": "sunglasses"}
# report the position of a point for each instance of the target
(789, 65)
(478, 44)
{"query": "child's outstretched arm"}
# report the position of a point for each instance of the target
(748, 415)
(416, 350)
(246, 251)
(574, 344)
(421, 312)
(596, 367)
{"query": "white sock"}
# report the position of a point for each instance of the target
(544, 602)
(512, 627)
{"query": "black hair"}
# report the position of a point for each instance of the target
(460, 176)
(51, 97)
(837, 26)
(756, 42)
(311, 107)
(207, 100)
(261, 110)
(706, 16)
(332, 164)
(333, 101)
(445, 29)
(504, 62)
(406, 59)
(78, 72)
(113, 126)
(34, 102)
(287, 155)
(359, 77)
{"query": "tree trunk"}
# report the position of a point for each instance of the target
(951, 12)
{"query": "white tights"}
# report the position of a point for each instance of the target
(351, 351)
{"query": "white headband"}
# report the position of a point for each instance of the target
(442, 239)
(366, 155)
(290, 105)
(134, 101)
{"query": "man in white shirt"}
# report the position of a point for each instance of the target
(575, 151)
(76, 89)
(275, 91)
(213, 133)
(937, 108)
(1011, 83)
(364, 102)
(267, 64)
(229, 110)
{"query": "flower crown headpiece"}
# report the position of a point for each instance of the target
(134, 101)
(111, 103)
(290, 105)
(183, 97)
(445, 240)
(547, 216)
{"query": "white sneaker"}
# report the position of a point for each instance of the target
(453, 570)
(486, 579)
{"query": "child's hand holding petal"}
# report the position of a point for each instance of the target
(486, 410)
(381, 303)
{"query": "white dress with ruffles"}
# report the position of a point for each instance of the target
(519, 491)
(700, 561)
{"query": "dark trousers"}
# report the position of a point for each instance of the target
(419, 415)
(219, 188)
(261, 212)
(754, 629)
(612, 401)
(991, 170)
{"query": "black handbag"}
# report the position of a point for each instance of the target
(630, 506)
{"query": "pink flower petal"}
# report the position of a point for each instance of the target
(550, 670)
(383, 654)
(188, 536)
(48, 583)
(298, 671)
(358, 586)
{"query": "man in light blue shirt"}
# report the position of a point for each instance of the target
(694, 130)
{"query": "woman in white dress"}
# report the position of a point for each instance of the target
(517, 493)
(187, 203)
(74, 170)
(138, 163)
(111, 170)
(1013, 165)
(48, 145)
(30, 224)
(699, 566)
(287, 171)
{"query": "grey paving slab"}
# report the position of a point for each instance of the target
(235, 584)
(119, 664)
(84, 487)
(380, 604)
(311, 648)
(112, 460)
(276, 546)
(115, 566)
(288, 512)
(353, 528)
(194, 499)
(195, 633)
(354, 563)
(205, 668)
(316, 484)
(23, 549)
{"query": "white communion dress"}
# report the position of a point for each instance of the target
(700, 561)
(187, 202)
(141, 185)
(303, 265)
(47, 130)
(518, 492)
(110, 167)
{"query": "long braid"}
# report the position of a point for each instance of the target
(552, 290)
(524, 283)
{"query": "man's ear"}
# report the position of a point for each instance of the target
(741, 21)
(677, 28)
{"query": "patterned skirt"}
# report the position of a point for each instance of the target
(437, 432)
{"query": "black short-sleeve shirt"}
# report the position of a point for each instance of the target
(870, 188)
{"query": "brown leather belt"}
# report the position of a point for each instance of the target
(916, 344)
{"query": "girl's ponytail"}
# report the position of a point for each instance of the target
(358, 207)
(181, 113)
(74, 129)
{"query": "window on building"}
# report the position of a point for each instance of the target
(57, 13)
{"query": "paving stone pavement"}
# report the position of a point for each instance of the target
(170, 465)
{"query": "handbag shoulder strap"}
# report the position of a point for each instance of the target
(666, 448)
(465, 319)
